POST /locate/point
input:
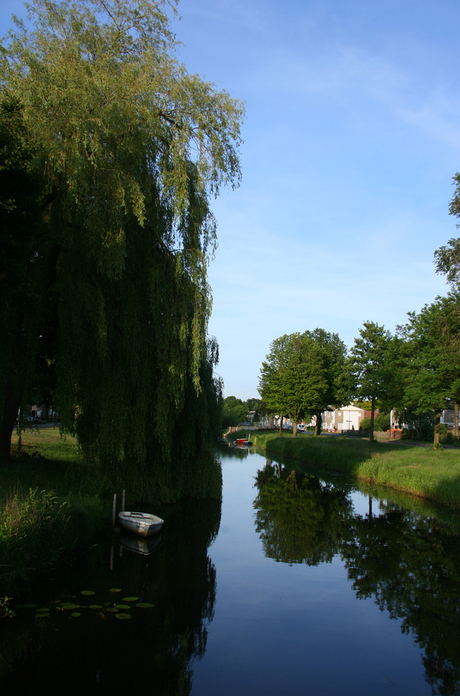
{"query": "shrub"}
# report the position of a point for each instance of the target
(381, 423)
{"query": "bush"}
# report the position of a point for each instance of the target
(381, 423)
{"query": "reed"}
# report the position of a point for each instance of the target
(40, 532)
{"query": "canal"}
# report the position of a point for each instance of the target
(299, 582)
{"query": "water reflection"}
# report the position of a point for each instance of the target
(299, 625)
(409, 564)
(299, 518)
(144, 546)
(406, 562)
(154, 650)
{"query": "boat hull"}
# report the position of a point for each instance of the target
(141, 523)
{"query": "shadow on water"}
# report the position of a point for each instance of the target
(76, 643)
(406, 561)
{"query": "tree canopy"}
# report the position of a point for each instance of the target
(333, 351)
(235, 411)
(293, 378)
(432, 366)
(369, 368)
(127, 149)
(303, 375)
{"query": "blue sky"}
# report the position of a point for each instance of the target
(352, 137)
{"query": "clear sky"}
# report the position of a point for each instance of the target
(352, 137)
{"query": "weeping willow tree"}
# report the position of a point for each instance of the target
(127, 149)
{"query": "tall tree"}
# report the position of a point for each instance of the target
(129, 148)
(432, 372)
(293, 379)
(447, 261)
(369, 367)
(233, 411)
(447, 258)
(21, 269)
(271, 379)
(333, 352)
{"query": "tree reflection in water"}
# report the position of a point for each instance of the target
(299, 518)
(407, 562)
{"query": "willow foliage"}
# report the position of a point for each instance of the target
(129, 148)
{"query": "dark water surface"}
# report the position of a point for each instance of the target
(294, 585)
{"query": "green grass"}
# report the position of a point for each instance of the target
(49, 508)
(409, 467)
(45, 459)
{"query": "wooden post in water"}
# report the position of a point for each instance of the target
(123, 501)
(114, 509)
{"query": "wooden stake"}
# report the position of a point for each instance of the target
(114, 510)
(123, 501)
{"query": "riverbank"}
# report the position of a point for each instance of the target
(409, 467)
(49, 506)
(53, 504)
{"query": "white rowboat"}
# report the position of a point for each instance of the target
(140, 522)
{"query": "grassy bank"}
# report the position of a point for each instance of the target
(422, 471)
(52, 503)
(50, 511)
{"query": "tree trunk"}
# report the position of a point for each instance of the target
(437, 426)
(371, 427)
(281, 425)
(318, 423)
(12, 401)
(294, 428)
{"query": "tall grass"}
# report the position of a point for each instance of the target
(50, 509)
(39, 532)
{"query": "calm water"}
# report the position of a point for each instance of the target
(294, 585)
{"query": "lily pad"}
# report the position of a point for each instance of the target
(87, 592)
(145, 605)
(122, 616)
(122, 606)
(95, 606)
(115, 589)
(130, 599)
(74, 614)
(68, 605)
(113, 610)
